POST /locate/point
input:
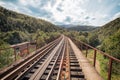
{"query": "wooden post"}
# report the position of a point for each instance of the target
(27, 48)
(0, 52)
(94, 58)
(86, 50)
(81, 46)
(15, 53)
(110, 69)
(36, 44)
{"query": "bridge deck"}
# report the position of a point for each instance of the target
(58, 60)
(88, 70)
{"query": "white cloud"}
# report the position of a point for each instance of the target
(76, 13)
(100, 1)
(34, 3)
(117, 15)
(10, 6)
(69, 8)
(2, 3)
(79, 11)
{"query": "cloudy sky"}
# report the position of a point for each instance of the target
(82, 12)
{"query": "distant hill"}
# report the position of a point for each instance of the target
(82, 28)
(67, 25)
(10, 21)
(108, 29)
(79, 27)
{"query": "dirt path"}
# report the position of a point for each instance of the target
(97, 66)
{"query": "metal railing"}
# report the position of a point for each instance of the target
(17, 50)
(86, 47)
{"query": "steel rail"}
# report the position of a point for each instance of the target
(54, 61)
(61, 51)
(21, 67)
(67, 64)
(61, 64)
(42, 68)
(12, 74)
(31, 66)
(15, 65)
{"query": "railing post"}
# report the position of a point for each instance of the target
(0, 52)
(86, 50)
(81, 46)
(110, 69)
(36, 45)
(94, 58)
(28, 48)
(15, 53)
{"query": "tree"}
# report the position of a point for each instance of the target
(111, 45)
(93, 40)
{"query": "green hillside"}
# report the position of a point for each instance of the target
(82, 28)
(10, 21)
(108, 29)
(16, 27)
(109, 38)
(109, 35)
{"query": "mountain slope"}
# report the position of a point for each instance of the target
(17, 28)
(10, 21)
(108, 29)
(78, 27)
(82, 28)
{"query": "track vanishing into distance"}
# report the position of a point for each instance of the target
(55, 61)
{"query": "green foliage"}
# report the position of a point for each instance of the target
(111, 45)
(81, 28)
(10, 21)
(108, 29)
(93, 40)
(14, 37)
(82, 38)
(6, 56)
(83, 33)
(17, 28)
(43, 38)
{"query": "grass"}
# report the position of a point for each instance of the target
(104, 63)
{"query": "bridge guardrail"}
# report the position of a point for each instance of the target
(14, 52)
(84, 46)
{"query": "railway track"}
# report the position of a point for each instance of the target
(55, 61)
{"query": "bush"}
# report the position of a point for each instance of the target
(93, 40)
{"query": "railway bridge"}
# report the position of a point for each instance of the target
(60, 59)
